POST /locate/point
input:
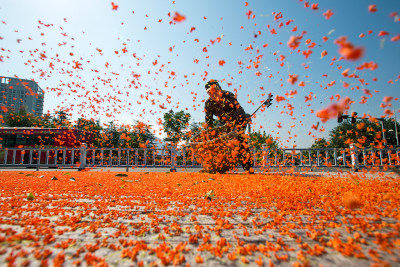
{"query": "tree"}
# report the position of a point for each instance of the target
(20, 118)
(175, 125)
(61, 118)
(111, 136)
(390, 131)
(92, 127)
(257, 140)
(45, 121)
(139, 136)
(365, 133)
(194, 129)
(320, 143)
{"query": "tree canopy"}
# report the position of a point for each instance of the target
(258, 139)
(320, 143)
(176, 125)
(363, 133)
(111, 135)
(21, 118)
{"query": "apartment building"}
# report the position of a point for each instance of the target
(16, 93)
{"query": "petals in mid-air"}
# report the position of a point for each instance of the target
(328, 14)
(294, 42)
(348, 50)
(114, 6)
(178, 17)
(372, 8)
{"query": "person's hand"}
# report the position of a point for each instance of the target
(220, 124)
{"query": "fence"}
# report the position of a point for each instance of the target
(329, 157)
(173, 157)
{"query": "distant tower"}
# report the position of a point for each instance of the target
(16, 93)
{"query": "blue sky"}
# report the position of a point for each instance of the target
(136, 45)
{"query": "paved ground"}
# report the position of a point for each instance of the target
(160, 218)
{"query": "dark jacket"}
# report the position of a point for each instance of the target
(227, 110)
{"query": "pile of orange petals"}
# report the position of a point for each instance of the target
(161, 218)
(218, 150)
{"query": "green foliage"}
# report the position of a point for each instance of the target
(175, 125)
(61, 118)
(20, 118)
(194, 129)
(390, 134)
(139, 135)
(111, 136)
(320, 143)
(45, 121)
(363, 133)
(30, 197)
(210, 195)
(257, 140)
(92, 127)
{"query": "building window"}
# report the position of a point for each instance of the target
(5, 80)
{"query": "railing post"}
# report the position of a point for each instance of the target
(354, 157)
(192, 159)
(293, 163)
(301, 157)
(82, 160)
(173, 158)
(64, 157)
(119, 156)
(184, 156)
(364, 158)
(127, 160)
(30, 156)
(38, 159)
(335, 156)
(265, 156)
(5, 156)
(255, 157)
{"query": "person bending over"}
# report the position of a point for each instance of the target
(224, 105)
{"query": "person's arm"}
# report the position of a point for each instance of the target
(238, 109)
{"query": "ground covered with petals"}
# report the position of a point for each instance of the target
(106, 218)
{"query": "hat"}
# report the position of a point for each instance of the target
(211, 82)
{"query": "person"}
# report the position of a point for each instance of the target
(224, 105)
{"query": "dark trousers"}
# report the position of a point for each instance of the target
(245, 157)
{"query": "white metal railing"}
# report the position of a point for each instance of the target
(328, 157)
(173, 157)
